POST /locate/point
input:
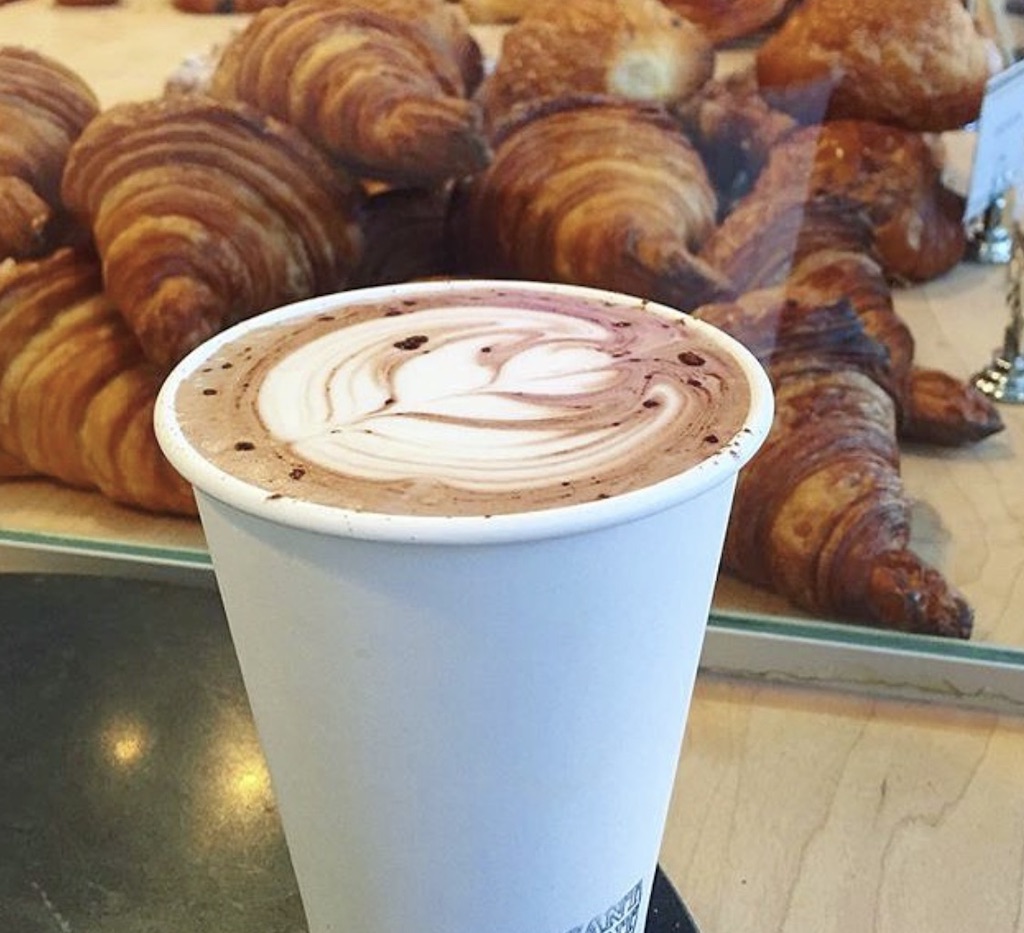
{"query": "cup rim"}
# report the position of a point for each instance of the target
(556, 521)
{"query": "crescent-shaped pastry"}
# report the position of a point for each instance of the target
(820, 515)
(382, 85)
(206, 212)
(76, 393)
(726, 20)
(594, 192)
(43, 108)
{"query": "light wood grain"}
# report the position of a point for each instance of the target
(798, 811)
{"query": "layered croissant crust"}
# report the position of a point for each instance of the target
(204, 212)
(829, 529)
(725, 20)
(633, 49)
(76, 393)
(922, 66)
(593, 192)
(43, 108)
(382, 85)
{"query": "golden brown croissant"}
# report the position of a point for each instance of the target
(919, 65)
(76, 393)
(381, 84)
(43, 108)
(594, 192)
(206, 212)
(768, 233)
(892, 174)
(943, 410)
(633, 49)
(820, 515)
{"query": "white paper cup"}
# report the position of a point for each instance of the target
(472, 724)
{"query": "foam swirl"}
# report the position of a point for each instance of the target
(481, 405)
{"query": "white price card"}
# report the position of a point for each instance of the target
(999, 153)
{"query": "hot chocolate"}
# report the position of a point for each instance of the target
(464, 399)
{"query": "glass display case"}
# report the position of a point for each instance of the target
(967, 502)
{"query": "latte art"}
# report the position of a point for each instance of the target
(474, 403)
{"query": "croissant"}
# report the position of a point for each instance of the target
(820, 515)
(634, 49)
(206, 212)
(946, 411)
(768, 233)
(43, 108)
(922, 66)
(890, 173)
(382, 85)
(593, 192)
(76, 393)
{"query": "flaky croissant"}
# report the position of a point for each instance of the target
(205, 212)
(593, 192)
(892, 174)
(76, 393)
(633, 49)
(43, 108)
(382, 85)
(820, 515)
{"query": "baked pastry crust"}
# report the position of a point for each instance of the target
(43, 108)
(632, 49)
(922, 66)
(829, 528)
(382, 85)
(206, 212)
(76, 393)
(595, 192)
(894, 175)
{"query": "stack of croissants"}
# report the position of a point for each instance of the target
(332, 144)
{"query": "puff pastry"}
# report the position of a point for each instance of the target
(633, 49)
(76, 393)
(594, 192)
(383, 85)
(922, 66)
(205, 212)
(829, 529)
(893, 175)
(43, 108)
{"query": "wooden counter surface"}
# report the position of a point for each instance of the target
(796, 810)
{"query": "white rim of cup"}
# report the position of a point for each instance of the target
(557, 521)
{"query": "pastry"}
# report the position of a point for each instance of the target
(43, 108)
(633, 49)
(921, 66)
(383, 85)
(894, 175)
(206, 212)
(593, 192)
(943, 410)
(820, 515)
(76, 393)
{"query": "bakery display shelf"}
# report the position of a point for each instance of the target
(969, 503)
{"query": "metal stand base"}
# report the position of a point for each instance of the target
(1003, 380)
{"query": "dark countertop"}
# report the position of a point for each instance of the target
(133, 792)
